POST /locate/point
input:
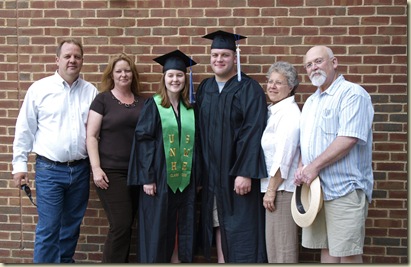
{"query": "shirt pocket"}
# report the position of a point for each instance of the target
(329, 122)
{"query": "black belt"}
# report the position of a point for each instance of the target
(67, 163)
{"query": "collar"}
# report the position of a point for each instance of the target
(62, 81)
(331, 90)
(274, 108)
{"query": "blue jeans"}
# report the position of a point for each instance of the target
(62, 194)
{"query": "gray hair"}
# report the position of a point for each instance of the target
(288, 71)
(329, 52)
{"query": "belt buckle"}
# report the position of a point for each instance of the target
(69, 163)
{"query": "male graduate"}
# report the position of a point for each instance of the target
(232, 117)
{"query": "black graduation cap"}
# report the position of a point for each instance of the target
(224, 40)
(175, 60)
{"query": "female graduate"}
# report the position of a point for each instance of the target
(162, 162)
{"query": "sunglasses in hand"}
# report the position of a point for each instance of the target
(27, 190)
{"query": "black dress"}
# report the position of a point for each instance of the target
(231, 124)
(158, 214)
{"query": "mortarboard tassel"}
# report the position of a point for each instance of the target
(238, 59)
(191, 91)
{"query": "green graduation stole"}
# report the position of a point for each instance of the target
(179, 155)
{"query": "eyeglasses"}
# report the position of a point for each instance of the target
(276, 83)
(27, 190)
(317, 62)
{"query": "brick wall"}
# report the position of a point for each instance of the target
(369, 37)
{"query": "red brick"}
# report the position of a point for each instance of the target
(203, 3)
(95, 4)
(369, 39)
(245, 12)
(361, 10)
(392, 10)
(177, 3)
(392, 30)
(288, 3)
(42, 4)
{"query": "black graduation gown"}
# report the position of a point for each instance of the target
(158, 214)
(231, 124)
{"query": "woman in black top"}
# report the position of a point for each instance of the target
(111, 122)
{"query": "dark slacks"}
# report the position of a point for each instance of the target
(120, 204)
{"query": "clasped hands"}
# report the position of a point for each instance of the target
(305, 174)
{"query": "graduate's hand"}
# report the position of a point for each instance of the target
(242, 185)
(150, 189)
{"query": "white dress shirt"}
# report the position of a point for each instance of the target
(280, 142)
(52, 121)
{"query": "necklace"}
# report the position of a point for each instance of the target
(125, 104)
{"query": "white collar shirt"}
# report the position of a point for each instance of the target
(280, 142)
(52, 121)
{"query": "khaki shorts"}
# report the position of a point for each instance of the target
(339, 226)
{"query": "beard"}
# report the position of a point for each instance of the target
(318, 80)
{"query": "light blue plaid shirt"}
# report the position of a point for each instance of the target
(344, 109)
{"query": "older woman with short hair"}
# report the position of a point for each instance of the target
(280, 142)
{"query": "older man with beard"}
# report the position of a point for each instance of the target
(336, 145)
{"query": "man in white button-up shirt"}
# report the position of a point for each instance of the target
(52, 124)
(336, 145)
